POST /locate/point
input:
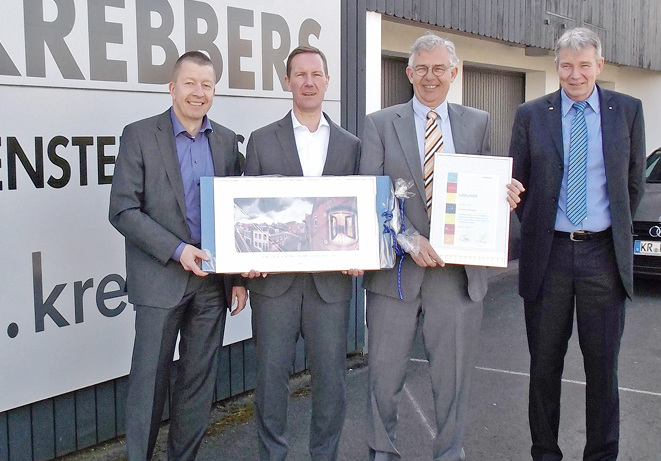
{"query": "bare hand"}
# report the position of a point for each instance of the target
(191, 259)
(354, 272)
(241, 296)
(253, 274)
(514, 190)
(426, 256)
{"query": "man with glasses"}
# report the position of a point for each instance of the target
(399, 141)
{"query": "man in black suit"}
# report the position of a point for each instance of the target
(315, 305)
(155, 204)
(580, 152)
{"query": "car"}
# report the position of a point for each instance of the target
(647, 222)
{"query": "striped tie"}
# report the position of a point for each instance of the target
(577, 209)
(433, 144)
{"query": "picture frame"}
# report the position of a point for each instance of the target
(470, 214)
(291, 224)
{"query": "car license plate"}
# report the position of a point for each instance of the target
(645, 247)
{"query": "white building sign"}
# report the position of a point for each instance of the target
(73, 73)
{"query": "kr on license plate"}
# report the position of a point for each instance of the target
(645, 247)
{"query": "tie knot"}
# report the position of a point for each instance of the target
(580, 106)
(431, 115)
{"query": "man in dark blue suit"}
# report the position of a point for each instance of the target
(580, 153)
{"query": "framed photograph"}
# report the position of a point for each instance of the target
(470, 214)
(290, 224)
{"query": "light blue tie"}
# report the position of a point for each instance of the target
(577, 209)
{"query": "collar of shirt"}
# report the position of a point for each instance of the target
(312, 147)
(420, 110)
(567, 103)
(299, 125)
(178, 128)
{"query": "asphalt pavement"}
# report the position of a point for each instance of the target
(498, 425)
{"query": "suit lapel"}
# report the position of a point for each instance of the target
(285, 135)
(554, 122)
(168, 151)
(218, 149)
(408, 140)
(612, 157)
(458, 127)
(334, 153)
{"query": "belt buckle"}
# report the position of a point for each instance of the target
(576, 236)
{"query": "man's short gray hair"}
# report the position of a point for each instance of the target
(428, 42)
(578, 39)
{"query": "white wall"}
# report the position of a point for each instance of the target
(373, 62)
(645, 85)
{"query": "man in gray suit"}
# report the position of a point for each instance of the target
(155, 204)
(580, 151)
(315, 305)
(449, 298)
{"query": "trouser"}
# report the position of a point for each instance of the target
(277, 323)
(199, 319)
(581, 277)
(450, 330)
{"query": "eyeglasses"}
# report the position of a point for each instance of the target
(438, 71)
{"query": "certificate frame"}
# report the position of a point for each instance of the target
(470, 215)
(282, 224)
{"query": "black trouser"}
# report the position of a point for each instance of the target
(581, 276)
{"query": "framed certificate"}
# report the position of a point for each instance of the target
(291, 224)
(470, 214)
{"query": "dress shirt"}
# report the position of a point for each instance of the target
(598, 217)
(312, 146)
(195, 161)
(420, 112)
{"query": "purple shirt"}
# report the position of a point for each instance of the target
(195, 161)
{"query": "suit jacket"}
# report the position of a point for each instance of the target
(537, 149)
(390, 147)
(272, 151)
(147, 206)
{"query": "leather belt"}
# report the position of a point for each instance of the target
(582, 235)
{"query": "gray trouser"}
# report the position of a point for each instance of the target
(277, 323)
(451, 326)
(199, 317)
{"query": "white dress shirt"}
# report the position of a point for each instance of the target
(312, 146)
